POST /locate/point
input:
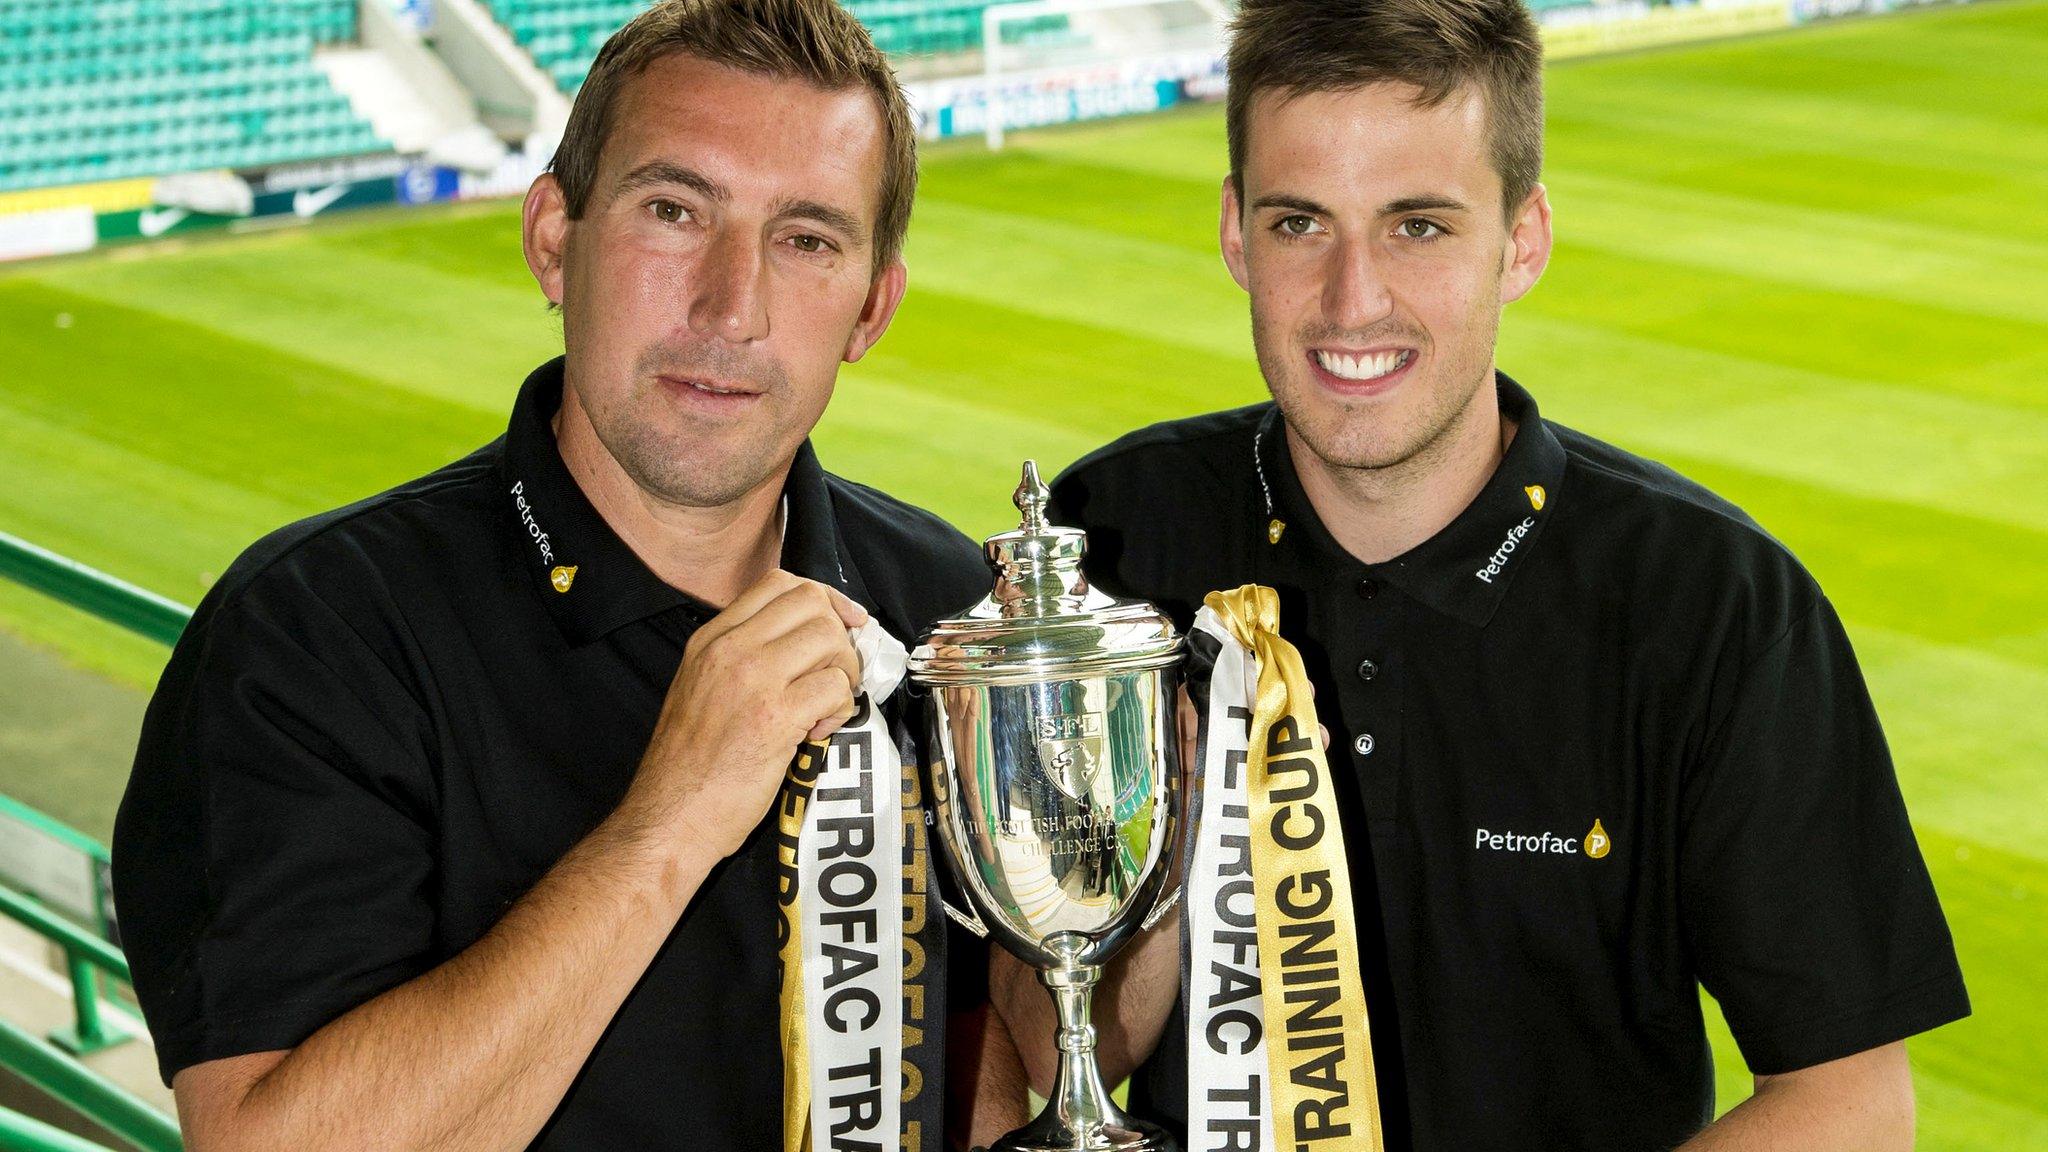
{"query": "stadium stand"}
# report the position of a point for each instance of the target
(103, 89)
(563, 36)
(921, 27)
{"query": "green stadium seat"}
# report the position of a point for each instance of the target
(93, 89)
(563, 36)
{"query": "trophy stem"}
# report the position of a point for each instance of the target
(1079, 1115)
(1078, 1093)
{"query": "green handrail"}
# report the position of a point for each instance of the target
(86, 955)
(20, 1133)
(147, 614)
(82, 1089)
(74, 940)
(83, 952)
(111, 599)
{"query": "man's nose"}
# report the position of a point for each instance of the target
(1355, 291)
(730, 296)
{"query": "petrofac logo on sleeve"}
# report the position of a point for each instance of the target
(1595, 844)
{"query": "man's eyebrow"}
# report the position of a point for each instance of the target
(657, 172)
(1391, 208)
(1291, 203)
(1424, 204)
(837, 219)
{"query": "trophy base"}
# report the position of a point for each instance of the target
(1049, 1133)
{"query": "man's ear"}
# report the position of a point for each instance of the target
(1528, 248)
(1230, 233)
(885, 292)
(544, 233)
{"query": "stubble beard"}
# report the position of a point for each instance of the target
(688, 464)
(1360, 445)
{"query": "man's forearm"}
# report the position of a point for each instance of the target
(477, 1053)
(1861, 1103)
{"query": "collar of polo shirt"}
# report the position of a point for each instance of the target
(1464, 570)
(556, 527)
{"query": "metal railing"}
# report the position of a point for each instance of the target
(51, 1065)
(84, 953)
(86, 1091)
(20, 1133)
(111, 599)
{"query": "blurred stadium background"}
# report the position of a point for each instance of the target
(264, 265)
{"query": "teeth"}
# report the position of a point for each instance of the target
(1361, 367)
(715, 391)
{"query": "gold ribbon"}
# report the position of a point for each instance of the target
(1318, 1044)
(920, 1042)
(796, 1052)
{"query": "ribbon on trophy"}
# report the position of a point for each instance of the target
(862, 959)
(1279, 1053)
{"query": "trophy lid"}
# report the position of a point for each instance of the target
(1042, 621)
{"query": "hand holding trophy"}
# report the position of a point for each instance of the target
(1057, 790)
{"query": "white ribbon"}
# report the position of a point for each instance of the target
(1229, 1100)
(850, 861)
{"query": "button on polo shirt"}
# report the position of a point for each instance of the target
(386, 723)
(1599, 742)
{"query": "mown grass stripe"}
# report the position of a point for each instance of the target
(403, 326)
(1857, 254)
(1080, 274)
(1967, 734)
(1890, 441)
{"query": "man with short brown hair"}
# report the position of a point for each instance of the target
(1596, 741)
(455, 818)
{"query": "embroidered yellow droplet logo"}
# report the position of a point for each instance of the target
(1597, 844)
(561, 578)
(1274, 530)
(1535, 492)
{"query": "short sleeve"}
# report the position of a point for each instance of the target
(1804, 897)
(273, 853)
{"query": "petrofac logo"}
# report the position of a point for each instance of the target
(540, 538)
(1536, 496)
(1597, 843)
(1594, 844)
(1502, 554)
(563, 577)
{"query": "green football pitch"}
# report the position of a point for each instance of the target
(1808, 269)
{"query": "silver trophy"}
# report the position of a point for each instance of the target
(1057, 790)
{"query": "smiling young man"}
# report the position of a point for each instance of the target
(1597, 739)
(451, 822)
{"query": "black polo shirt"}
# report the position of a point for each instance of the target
(1594, 640)
(386, 723)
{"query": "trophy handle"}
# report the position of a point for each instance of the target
(1161, 908)
(967, 920)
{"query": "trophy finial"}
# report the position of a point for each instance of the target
(1031, 498)
(1037, 563)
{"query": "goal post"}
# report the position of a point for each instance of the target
(1100, 52)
